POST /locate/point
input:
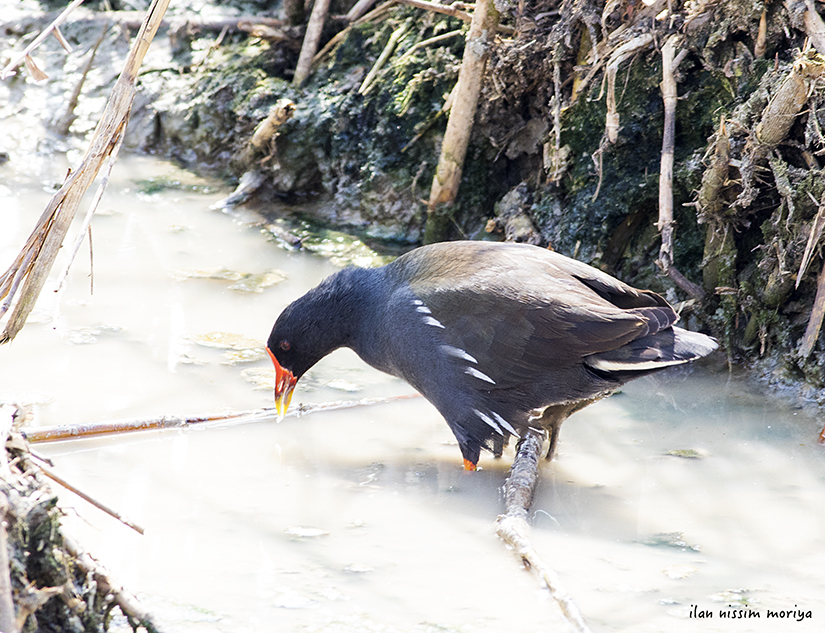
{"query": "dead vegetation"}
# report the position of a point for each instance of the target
(47, 581)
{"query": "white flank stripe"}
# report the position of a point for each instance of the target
(489, 421)
(417, 302)
(614, 365)
(433, 321)
(504, 423)
(472, 371)
(424, 310)
(458, 353)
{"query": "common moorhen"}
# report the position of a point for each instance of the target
(499, 337)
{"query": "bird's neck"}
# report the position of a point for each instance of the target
(347, 303)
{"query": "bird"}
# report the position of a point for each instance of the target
(502, 338)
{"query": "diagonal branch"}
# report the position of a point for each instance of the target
(513, 529)
(38, 255)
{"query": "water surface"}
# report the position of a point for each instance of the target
(362, 519)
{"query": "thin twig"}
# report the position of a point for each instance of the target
(813, 239)
(359, 9)
(37, 435)
(392, 42)
(63, 125)
(21, 57)
(446, 9)
(86, 227)
(97, 504)
(424, 43)
(375, 14)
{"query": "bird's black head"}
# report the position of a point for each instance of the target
(313, 326)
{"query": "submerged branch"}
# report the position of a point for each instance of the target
(97, 429)
(97, 504)
(513, 529)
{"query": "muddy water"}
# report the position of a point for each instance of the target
(362, 519)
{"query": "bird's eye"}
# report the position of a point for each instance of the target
(284, 345)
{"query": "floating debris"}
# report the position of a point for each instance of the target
(679, 571)
(258, 282)
(89, 335)
(734, 597)
(342, 249)
(305, 532)
(687, 453)
(225, 340)
(238, 356)
(344, 385)
(260, 377)
(669, 539)
(242, 282)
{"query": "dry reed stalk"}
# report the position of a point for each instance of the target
(815, 321)
(25, 55)
(38, 255)
(460, 124)
(670, 96)
(39, 435)
(311, 41)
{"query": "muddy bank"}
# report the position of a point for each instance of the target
(566, 146)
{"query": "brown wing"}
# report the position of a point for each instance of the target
(521, 311)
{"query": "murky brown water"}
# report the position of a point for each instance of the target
(362, 519)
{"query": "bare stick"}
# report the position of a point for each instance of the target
(813, 240)
(41, 435)
(439, 8)
(513, 529)
(376, 13)
(359, 9)
(395, 37)
(424, 43)
(65, 123)
(670, 97)
(311, 39)
(617, 58)
(97, 504)
(460, 124)
(129, 605)
(16, 61)
(817, 314)
(814, 27)
(85, 228)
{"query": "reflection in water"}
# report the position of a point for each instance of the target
(685, 490)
